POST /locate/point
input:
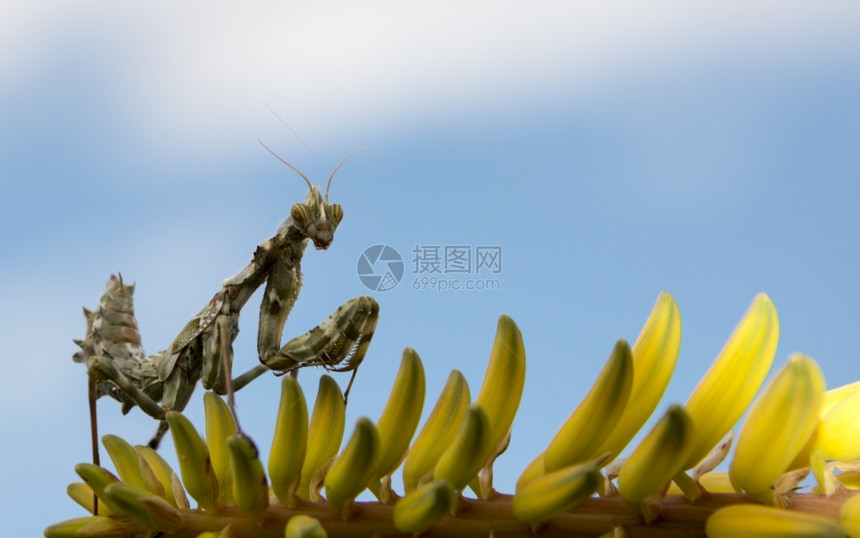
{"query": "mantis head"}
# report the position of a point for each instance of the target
(316, 218)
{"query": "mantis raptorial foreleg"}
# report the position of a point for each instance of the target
(344, 336)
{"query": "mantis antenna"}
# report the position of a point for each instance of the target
(296, 170)
(336, 168)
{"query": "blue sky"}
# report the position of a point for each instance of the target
(609, 149)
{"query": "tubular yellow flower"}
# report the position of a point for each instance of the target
(713, 482)
(424, 507)
(250, 489)
(592, 422)
(83, 495)
(194, 462)
(503, 382)
(289, 442)
(646, 473)
(850, 479)
(502, 388)
(533, 470)
(98, 479)
(438, 431)
(654, 356)
(92, 527)
(143, 506)
(555, 493)
(219, 428)
(849, 516)
(461, 461)
(777, 427)
(764, 522)
(302, 526)
(173, 492)
(130, 466)
(838, 439)
(352, 469)
(401, 414)
(324, 436)
(831, 398)
(734, 378)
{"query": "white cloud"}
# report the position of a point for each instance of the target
(334, 65)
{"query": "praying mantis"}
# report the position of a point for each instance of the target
(203, 350)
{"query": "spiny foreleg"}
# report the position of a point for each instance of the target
(216, 357)
(338, 344)
(282, 289)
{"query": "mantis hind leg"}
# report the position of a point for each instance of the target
(158, 435)
(241, 380)
(102, 368)
(338, 344)
(238, 383)
(217, 360)
(178, 389)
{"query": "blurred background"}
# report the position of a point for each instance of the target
(606, 151)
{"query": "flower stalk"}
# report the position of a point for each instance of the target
(556, 495)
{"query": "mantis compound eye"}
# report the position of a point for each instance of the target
(336, 213)
(300, 213)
